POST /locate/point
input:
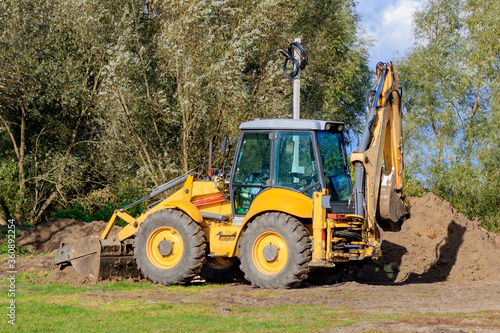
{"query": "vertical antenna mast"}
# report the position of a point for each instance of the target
(297, 56)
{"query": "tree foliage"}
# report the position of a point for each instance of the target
(451, 81)
(102, 100)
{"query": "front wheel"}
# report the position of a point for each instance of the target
(169, 247)
(275, 251)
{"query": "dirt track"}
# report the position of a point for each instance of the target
(439, 263)
(456, 299)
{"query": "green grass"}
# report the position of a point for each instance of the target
(125, 306)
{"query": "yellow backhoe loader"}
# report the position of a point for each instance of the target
(287, 205)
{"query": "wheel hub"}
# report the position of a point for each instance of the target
(270, 253)
(165, 247)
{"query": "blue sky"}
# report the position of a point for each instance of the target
(389, 24)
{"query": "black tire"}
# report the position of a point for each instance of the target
(221, 270)
(169, 247)
(261, 260)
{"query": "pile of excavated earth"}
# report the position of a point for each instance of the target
(48, 236)
(435, 244)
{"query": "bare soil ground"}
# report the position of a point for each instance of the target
(440, 262)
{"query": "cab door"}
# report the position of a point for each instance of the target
(295, 162)
(252, 169)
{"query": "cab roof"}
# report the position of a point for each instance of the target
(291, 124)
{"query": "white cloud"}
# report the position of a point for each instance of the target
(389, 23)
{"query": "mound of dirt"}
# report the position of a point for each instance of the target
(436, 244)
(47, 237)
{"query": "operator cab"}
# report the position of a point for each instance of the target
(300, 155)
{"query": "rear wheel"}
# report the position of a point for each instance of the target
(169, 247)
(275, 251)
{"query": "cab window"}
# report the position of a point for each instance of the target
(252, 166)
(294, 162)
(336, 172)
(252, 169)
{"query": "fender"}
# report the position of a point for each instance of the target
(290, 202)
(130, 229)
(187, 208)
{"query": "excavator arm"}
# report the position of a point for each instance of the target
(378, 160)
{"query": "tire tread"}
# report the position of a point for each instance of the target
(195, 236)
(293, 274)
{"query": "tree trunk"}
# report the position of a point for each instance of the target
(20, 166)
(183, 101)
(6, 211)
(185, 137)
(471, 128)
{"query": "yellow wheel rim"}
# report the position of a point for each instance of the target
(165, 247)
(269, 253)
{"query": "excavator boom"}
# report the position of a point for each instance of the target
(378, 161)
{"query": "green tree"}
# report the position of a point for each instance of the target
(450, 77)
(52, 65)
(100, 101)
(222, 59)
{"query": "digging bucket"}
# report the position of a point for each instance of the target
(99, 259)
